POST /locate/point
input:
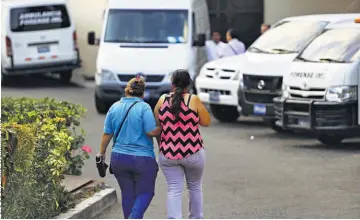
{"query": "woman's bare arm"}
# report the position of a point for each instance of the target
(205, 118)
(156, 114)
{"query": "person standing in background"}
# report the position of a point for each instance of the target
(234, 46)
(264, 28)
(213, 46)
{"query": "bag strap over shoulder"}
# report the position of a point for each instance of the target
(189, 99)
(122, 123)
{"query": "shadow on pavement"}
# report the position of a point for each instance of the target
(348, 147)
(36, 81)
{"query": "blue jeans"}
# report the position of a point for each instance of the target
(136, 176)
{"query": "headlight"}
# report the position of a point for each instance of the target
(106, 75)
(285, 91)
(341, 93)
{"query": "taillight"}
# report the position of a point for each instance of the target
(75, 41)
(8, 47)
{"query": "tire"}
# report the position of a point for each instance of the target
(66, 76)
(330, 140)
(101, 106)
(225, 113)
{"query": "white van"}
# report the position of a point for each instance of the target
(246, 84)
(38, 36)
(151, 37)
(321, 92)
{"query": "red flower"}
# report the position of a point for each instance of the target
(86, 148)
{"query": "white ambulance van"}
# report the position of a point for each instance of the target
(321, 90)
(38, 36)
(152, 38)
(246, 84)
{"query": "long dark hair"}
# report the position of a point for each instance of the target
(181, 80)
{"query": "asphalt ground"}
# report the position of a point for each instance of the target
(267, 176)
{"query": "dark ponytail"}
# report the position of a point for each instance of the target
(181, 80)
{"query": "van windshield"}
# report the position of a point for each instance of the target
(146, 26)
(39, 18)
(288, 37)
(340, 45)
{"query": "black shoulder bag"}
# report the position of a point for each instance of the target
(100, 163)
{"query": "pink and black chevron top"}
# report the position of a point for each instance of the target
(179, 138)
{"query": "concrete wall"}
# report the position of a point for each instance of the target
(278, 9)
(88, 16)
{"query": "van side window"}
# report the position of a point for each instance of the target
(38, 18)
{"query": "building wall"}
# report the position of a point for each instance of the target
(88, 16)
(278, 9)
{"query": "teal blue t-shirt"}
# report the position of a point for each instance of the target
(132, 139)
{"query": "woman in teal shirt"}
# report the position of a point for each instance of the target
(132, 159)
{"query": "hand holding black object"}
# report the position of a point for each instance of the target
(101, 165)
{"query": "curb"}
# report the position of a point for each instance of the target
(92, 206)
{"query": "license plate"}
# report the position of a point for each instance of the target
(214, 96)
(43, 49)
(304, 122)
(146, 95)
(259, 109)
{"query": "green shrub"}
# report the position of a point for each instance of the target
(57, 123)
(40, 142)
(29, 189)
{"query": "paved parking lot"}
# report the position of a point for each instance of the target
(267, 176)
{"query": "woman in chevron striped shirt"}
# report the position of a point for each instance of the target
(182, 155)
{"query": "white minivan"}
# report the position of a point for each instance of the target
(321, 91)
(246, 84)
(38, 36)
(152, 38)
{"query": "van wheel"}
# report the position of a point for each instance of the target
(225, 113)
(101, 106)
(66, 76)
(330, 140)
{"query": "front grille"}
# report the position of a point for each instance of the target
(262, 83)
(259, 98)
(311, 90)
(307, 97)
(225, 77)
(148, 78)
(228, 71)
(311, 93)
(222, 92)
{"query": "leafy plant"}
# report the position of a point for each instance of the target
(39, 144)
(57, 122)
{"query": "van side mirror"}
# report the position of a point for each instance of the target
(199, 40)
(91, 38)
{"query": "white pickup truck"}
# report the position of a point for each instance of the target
(321, 90)
(246, 84)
